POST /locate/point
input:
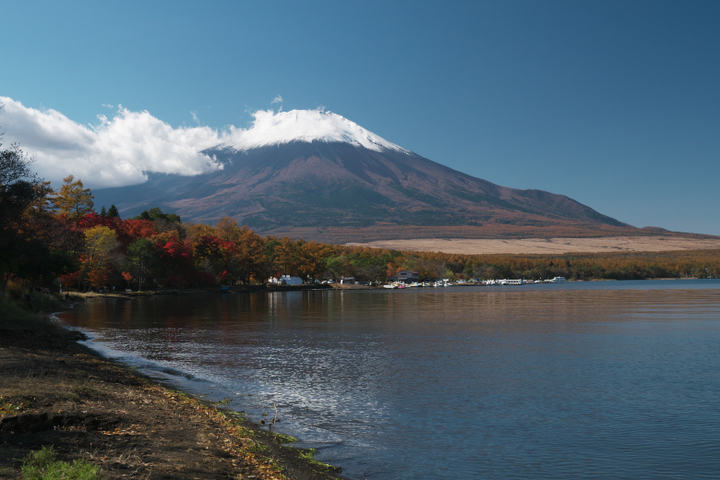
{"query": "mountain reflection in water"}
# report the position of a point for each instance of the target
(596, 380)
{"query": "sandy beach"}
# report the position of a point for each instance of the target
(548, 246)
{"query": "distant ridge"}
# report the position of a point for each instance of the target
(317, 175)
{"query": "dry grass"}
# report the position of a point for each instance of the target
(549, 246)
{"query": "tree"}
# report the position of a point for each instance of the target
(141, 259)
(250, 255)
(113, 212)
(286, 257)
(312, 259)
(227, 229)
(101, 244)
(177, 259)
(163, 222)
(19, 190)
(73, 200)
(98, 277)
(42, 203)
(337, 267)
(156, 214)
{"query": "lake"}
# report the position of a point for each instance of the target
(577, 380)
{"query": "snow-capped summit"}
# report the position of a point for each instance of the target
(271, 128)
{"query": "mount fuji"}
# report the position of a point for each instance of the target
(317, 175)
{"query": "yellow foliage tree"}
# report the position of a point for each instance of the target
(73, 200)
(286, 256)
(100, 244)
(311, 259)
(227, 228)
(195, 231)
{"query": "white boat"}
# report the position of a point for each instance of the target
(555, 280)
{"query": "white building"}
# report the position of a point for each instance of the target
(286, 280)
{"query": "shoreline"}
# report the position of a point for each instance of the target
(55, 391)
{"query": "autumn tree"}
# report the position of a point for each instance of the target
(195, 231)
(216, 257)
(286, 256)
(134, 229)
(250, 256)
(101, 245)
(311, 259)
(227, 228)
(127, 277)
(177, 259)
(164, 222)
(73, 200)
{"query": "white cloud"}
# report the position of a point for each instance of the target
(115, 152)
(121, 150)
(277, 99)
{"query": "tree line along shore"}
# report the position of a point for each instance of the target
(56, 241)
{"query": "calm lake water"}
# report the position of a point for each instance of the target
(582, 380)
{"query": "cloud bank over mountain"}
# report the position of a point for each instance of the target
(114, 152)
(119, 151)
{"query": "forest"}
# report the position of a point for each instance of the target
(56, 240)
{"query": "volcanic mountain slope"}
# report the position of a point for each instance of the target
(317, 175)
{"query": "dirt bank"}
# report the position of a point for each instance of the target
(54, 391)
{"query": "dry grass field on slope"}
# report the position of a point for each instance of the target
(550, 246)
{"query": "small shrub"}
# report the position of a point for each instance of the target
(42, 302)
(14, 289)
(11, 313)
(42, 465)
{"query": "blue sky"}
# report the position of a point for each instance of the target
(615, 104)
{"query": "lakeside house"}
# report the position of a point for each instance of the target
(404, 276)
(285, 280)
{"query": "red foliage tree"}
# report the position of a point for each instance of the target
(93, 219)
(134, 229)
(177, 258)
(70, 279)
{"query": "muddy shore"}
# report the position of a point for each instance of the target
(54, 391)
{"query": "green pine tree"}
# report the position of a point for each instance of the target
(113, 211)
